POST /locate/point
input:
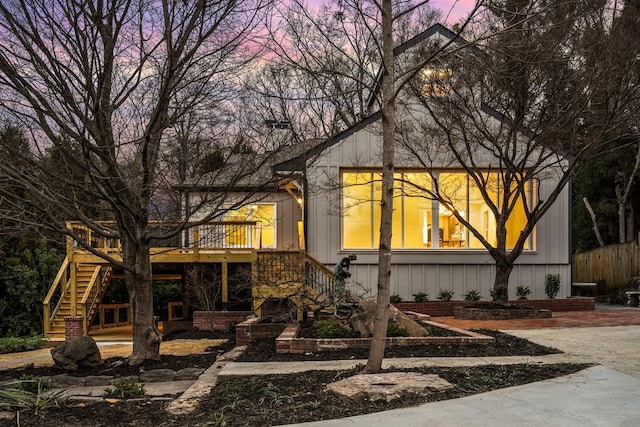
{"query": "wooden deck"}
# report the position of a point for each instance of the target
(84, 276)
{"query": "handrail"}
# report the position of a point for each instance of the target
(319, 277)
(56, 281)
(47, 314)
(93, 291)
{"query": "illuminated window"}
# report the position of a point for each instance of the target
(412, 218)
(436, 81)
(414, 223)
(239, 235)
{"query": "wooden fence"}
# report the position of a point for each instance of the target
(612, 265)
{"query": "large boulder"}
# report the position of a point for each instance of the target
(363, 318)
(81, 352)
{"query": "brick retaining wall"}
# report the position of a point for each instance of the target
(250, 330)
(288, 342)
(221, 321)
(446, 308)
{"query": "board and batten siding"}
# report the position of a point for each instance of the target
(433, 269)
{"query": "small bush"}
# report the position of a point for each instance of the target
(552, 285)
(445, 294)
(18, 344)
(29, 394)
(125, 388)
(472, 295)
(395, 330)
(332, 328)
(420, 297)
(395, 298)
(522, 292)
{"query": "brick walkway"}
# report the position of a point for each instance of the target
(567, 319)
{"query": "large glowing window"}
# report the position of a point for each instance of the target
(421, 222)
(412, 218)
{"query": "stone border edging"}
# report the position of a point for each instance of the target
(288, 341)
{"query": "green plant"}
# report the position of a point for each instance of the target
(125, 388)
(332, 328)
(420, 297)
(522, 292)
(472, 295)
(395, 330)
(18, 344)
(551, 285)
(29, 394)
(395, 298)
(445, 294)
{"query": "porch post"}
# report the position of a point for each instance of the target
(225, 282)
(74, 289)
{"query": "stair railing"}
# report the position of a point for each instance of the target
(93, 294)
(58, 288)
(319, 277)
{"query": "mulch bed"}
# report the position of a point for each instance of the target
(301, 397)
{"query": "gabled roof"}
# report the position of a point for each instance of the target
(298, 163)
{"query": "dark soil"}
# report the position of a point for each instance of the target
(505, 345)
(282, 399)
(118, 366)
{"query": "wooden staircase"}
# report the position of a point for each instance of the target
(76, 291)
(295, 276)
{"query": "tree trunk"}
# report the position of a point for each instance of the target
(146, 338)
(381, 320)
(501, 282)
(592, 214)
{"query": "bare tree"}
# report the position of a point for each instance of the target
(524, 110)
(346, 56)
(101, 83)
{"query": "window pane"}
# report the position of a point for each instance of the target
(357, 215)
(266, 215)
(517, 220)
(236, 235)
(480, 216)
(417, 213)
(453, 189)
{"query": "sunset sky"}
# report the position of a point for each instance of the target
(452, 10)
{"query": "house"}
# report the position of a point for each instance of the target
(321, 205)
(431, 249)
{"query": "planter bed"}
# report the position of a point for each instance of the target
(288, 341)
(490, 313)
(446, 308)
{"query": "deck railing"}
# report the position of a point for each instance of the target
(207, 236)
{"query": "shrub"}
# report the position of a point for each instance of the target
(420, 297)
(522, 292)
(125, 388)
(18, 344)
(332, 328)
(395, 298)
(395, 330)
(445, 294)
(472, 295)
(551, 285)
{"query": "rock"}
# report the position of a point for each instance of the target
(157, 376)
(98, 380)
(388, 386)
(65, 381)
(362, 319)
(79, 352)
(188, 374)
